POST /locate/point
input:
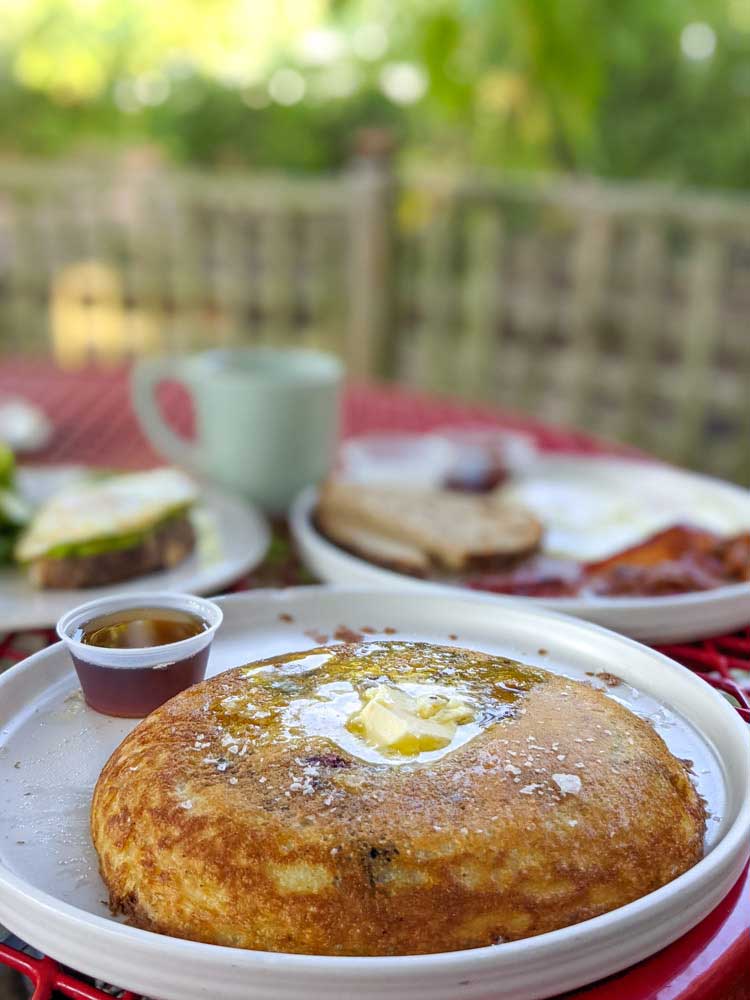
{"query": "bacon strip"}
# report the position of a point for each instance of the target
(677, 560)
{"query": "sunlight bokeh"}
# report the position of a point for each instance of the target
(73, 49)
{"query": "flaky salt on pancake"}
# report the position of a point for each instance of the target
(389, 798)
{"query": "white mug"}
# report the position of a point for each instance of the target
(266, 418)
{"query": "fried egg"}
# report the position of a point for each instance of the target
(592, 509)
(103, 508)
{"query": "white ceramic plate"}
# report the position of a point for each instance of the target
(232, 538)
(53, 749)
(592, 506)
(427, 459)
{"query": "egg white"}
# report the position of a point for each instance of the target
(104, 508)
(593, 509)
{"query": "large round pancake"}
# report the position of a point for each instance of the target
(220, 820)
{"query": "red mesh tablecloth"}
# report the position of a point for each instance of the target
(94, 424)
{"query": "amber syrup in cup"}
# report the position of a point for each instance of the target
(135, 628)
(133, 658)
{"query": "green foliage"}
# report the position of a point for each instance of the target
(14, 512)
(595, 86)
(215, 127)
(675, 119)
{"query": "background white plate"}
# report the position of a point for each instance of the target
(232, 538)
(53, 747)
(604, 504)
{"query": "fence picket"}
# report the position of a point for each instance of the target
(437, 302)
(483, 290)
(613, 307)
(706, 268)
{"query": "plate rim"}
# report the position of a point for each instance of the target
(723, 857)
(663, 620)
(302, 506)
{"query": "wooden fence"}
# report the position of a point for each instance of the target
(622, 310)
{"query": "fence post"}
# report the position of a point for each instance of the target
(371, 340)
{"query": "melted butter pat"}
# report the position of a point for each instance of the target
(334, 705)
(392, 721)
(384, 703)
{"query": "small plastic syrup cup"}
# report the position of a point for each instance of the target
(130, 683)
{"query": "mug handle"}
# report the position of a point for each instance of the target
(145, 378)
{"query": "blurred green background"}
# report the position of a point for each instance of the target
(616, 88)
(538, 203)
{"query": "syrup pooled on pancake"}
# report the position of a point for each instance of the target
(388, 798)
(322, 694)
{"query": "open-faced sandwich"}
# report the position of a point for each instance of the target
(104, 530)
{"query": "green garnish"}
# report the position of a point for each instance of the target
(14, 511)
(7, 465)
(112, 543)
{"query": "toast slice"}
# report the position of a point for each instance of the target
(455, 530)
(373, 545)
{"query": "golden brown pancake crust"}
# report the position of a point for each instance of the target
(289, 843)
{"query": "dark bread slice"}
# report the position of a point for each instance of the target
(168, 544)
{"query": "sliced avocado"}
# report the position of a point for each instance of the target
(7, 465)
(111, 543)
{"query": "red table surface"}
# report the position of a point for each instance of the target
(94, 424)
